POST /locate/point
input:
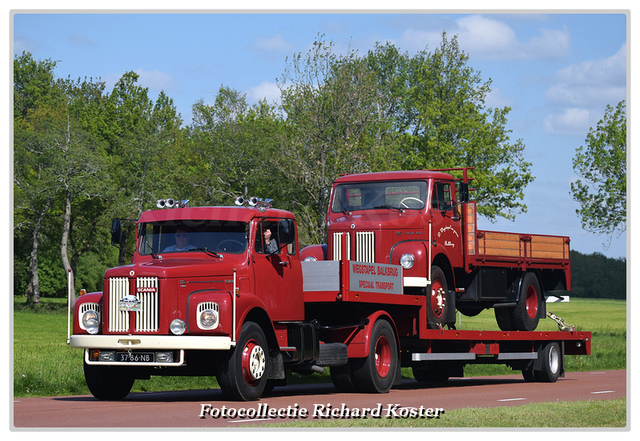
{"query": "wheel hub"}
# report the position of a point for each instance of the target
(253, 362)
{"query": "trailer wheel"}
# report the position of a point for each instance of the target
(551, 363)
(437, 299)
(242, 373)
(526, 314)
(108, 382)
(376, 372)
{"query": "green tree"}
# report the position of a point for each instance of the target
(233, 144)
(603, 166)
(37, 99)
(141, 141)
(437, 103)
(82, 175)
(334, 125)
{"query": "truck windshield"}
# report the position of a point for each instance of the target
(192, 235)
(409, 195)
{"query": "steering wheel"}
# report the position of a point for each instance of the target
(234, 246)
(410, 198)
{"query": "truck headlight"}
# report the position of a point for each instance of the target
(407, 261)
(177, 327)
(90, 321)
(208, 315)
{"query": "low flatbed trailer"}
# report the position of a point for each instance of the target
(333, 292)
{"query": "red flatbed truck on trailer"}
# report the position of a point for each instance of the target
(227, 305)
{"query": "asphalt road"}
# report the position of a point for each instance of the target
(207, 408)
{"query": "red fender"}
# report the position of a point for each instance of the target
(359, 346)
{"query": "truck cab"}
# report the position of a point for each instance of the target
(198, 275)
(423, 220)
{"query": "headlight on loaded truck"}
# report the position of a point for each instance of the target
(407, 260)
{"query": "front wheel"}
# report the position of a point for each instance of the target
(109, 383)
(438, 300)
(242, 374)
(376, 372)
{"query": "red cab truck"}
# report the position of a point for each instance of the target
(227, 292)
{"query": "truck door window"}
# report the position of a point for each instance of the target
(266, 238)
(275, 235)
(441, 199)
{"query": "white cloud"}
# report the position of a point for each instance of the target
(573, 121)
(271, 46)
(488, 38)
(155, 80)
(265, 90)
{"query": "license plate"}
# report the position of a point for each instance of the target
(134, 357)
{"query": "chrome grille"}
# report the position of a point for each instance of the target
(364, 246)
(118, 289)
(147, 292)
(147, 320)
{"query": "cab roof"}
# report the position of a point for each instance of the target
(237, 214)
(393, 176)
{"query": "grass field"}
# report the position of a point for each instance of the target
(44, 365)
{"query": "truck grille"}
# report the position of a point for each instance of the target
(364, 246)
(146, 290)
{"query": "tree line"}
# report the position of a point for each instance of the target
(84, 155)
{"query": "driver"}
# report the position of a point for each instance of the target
(271, 246)
(182, 241)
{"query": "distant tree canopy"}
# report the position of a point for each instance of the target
(84, 155)
(597, 276)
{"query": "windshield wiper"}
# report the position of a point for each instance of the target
(389, 207)
(207, 251)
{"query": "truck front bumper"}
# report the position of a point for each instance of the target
(151, 342)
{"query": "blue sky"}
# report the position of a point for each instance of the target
(557, 71)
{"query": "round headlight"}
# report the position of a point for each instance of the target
(310, 259)
(177, 327)
(407, 260)
(90, 322)
(209, 319)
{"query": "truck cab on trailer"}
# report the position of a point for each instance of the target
(424, 221)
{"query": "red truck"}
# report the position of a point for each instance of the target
(226, 291)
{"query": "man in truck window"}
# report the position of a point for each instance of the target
(182, 241)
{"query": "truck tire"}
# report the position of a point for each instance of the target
(376, 372)
(551, 363)
(342, 379)
(438, 300)
(526, 314)
(242, 373)
(110, 383)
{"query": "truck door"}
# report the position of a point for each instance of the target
(445, 217)
(277, 269)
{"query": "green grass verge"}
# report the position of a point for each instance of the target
(591, 413)
(44, 365)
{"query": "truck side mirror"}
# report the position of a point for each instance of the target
(286, 232)
(464, 192)
(116, 232)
